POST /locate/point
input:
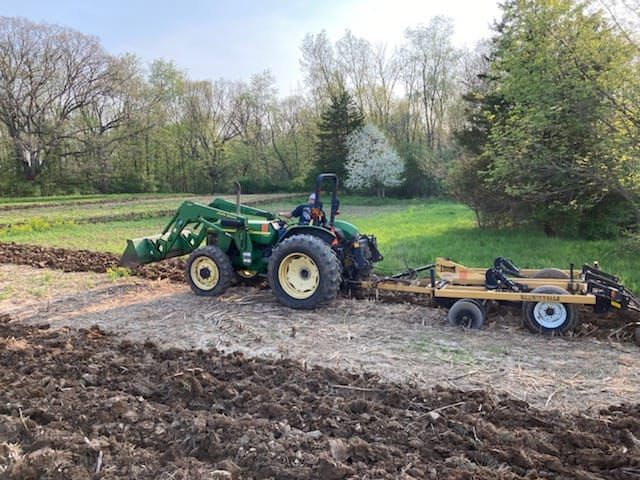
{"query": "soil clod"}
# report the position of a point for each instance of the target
(94, 406)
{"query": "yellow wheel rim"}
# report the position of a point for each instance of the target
(298, 275)
(247, 273)
(204, 273)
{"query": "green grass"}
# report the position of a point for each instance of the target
(83, 198)
(105, 237)
(442, 352)
(441, 229)
(79, 211)
(410, 233)
(144, 206)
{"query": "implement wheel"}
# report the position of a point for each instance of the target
(209, 271)
(467, 313)
(304, 272)
(550, 317)
(551, 273)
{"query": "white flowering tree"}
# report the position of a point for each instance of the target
(372, 162)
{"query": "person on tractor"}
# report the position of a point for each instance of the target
(302, 212)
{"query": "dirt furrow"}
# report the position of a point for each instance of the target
(129, 216)
(98, 201)
(76, 403)
(84, 261)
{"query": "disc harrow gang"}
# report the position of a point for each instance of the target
(550, 297)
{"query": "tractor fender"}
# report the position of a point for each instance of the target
(319, 232)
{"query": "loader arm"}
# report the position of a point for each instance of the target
(227, 206)
(176, 239)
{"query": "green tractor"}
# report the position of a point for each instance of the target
(305, 264)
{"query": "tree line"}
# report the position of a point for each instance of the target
(538, 124)
(553, 130)
(76, 119)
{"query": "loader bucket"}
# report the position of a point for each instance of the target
(138, 252)
(141, 251)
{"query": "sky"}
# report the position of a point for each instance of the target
(235, 39)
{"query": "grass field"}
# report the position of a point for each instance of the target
(410, 233)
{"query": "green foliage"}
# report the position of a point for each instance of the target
(425, 171)
(34, 225)
(466, 183)
(267, 185)
(114, 273)
(12, 187)
(338, 121)
(549, 138)
(134, 182)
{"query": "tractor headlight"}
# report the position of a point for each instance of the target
(246, 258)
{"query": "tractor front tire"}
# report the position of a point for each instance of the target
(304, 272)
(550, 318)
(209, 271)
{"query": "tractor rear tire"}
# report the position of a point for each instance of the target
(550, 318)
(467, 313)
(209, 271)
(551, 273)
(304, 272)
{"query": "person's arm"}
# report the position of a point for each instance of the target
(295, 213)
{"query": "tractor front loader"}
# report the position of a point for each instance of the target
(305, 265)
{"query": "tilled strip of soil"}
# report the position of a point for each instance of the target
(130, 216)
(121, 217)
(73, 403)
(98, 201)
(84, 261)
(94, 201)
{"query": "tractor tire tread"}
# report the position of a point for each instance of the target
(225, 270)
(324, 257)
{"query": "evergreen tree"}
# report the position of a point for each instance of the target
(550, 135)
(337, 122)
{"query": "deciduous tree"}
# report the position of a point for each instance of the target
(560, 121)
(372, 162)
(47, 75)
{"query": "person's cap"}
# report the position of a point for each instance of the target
(312, 198)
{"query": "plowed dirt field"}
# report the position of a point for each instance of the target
(136, 377)
(86, 404)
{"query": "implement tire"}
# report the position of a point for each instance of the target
(554, 273)
(550, 318)
(209, 271)
(304, 272)
(467, 313)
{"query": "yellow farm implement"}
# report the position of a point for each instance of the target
(549, 297)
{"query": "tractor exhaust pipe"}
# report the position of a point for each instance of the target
(238, 192)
